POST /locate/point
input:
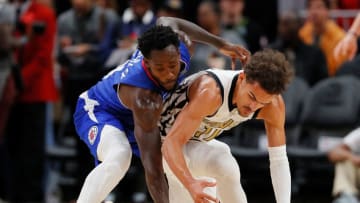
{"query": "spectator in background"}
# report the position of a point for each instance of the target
(121, 37)
(347, 168)
(204, 57)
(136, 19)
(348, 46)
(108, 4)
(171, 8)
(110, 8)
(7, 87)
(232, 19)
(308, 61)
(29, 119)
(345, 5)
(323, 32)
(293, 5)
(81, 29)
(80, 32)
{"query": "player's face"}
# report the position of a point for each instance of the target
(250, 97)
(164, 65)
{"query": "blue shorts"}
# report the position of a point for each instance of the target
(89, 125)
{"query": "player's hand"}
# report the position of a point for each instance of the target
(235, 52)
(355, 159)
(347, 47)
(196, 190)
(81, 49)
(184, 37)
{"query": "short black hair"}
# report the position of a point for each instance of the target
(215, 8)
(326, 3)
(157, 38)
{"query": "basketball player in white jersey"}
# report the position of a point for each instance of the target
(212, 101)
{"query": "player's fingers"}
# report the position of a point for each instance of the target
(184, 37)
(242, 53)
(210, 198)
(187, 40)
(208, 184)
(246, 57)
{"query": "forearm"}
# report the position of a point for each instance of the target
(195, 32)
(280, 173)
(150, 152)
(174, 156)
(355, 27)
(157, 186)
(155, 177)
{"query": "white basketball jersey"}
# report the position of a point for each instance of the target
(225, 118)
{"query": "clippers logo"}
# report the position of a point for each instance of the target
(92, 134)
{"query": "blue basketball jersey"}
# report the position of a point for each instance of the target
(100, 105)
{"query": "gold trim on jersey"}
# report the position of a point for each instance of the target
(212, 129)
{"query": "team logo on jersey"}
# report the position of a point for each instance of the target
(92, 134)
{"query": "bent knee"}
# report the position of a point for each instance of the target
(117, 168)
(120, 157)
(225, 165)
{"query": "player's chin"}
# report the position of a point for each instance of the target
(169, 85)
(245, 112)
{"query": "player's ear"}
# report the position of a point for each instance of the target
(146, 62)
(242, 75)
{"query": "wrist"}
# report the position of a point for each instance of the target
(188, 181)
(353, 34)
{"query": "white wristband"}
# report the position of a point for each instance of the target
(280, 173)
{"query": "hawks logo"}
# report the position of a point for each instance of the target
(92, 134)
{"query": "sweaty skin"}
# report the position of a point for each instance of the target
(146, 106)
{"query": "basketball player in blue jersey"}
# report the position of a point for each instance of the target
(212, 101)
(118, 116)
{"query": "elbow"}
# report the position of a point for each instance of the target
(168, 21)
(164, 148)
(162, 20)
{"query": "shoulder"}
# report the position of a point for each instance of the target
(111, 16)
(333, 32)
(44, 10)
(205, 84)
(139, 98)
(205, 93)
(65, 16)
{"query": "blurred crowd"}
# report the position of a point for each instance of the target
(51, 51)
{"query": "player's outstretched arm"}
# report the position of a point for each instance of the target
(274, 119)
(146, 106)
(194, 32)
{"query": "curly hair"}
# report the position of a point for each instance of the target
(270, 69)
(157, 38)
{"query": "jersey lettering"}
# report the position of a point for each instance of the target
(212, 129)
